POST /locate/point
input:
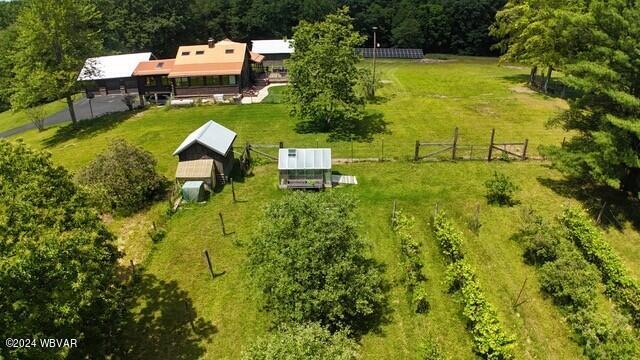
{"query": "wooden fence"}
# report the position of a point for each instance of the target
(453, 150)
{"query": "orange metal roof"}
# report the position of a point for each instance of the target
(226, 57)
(255, 57)
(154, 67)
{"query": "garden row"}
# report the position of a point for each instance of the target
(572, 282)
(619, 285)
(489, 338)
(410, 260)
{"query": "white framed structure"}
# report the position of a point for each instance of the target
(304, 168)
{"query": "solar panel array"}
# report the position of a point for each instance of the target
(392, 53)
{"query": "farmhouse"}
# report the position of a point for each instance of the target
(221, 67)
(153, 77)
(210, 141)
(304, 168)
(112, 74)
(275, 53)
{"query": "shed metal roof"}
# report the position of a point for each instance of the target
(112, 67)
(211, 135)
(304, 159)
(272, 46)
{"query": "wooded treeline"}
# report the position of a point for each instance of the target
(160, 26)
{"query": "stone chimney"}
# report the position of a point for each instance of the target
(211, 43)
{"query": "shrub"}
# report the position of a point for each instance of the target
(302, 342)
(601, 339)
(308, 260)
(619, 285)
(157, 234)
(429, 350)
(539, 238)
(449, 238)
(409, 250)
(125, 176)
(570, 279)
(500, 190)
(420, 301)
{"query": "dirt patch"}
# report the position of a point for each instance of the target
(522, 90)
(515, 67)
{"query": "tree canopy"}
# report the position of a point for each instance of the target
(309, 262)
(58, 263)
(323, 74)
(54, 38)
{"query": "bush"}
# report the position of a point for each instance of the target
(501, 190)
(420, 301)
(124, 177)
(570, 279)
(302, 342)
(429, 350)
(409, 251)
(539, 238)
(620, 286)
(157, 234)
(449, 238)
(309, 262)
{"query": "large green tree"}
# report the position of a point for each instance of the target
(541, 33)
(58, 263)
(54, 38)
(310, 263)
(323, 73)
(605, 115)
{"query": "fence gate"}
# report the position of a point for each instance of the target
(453, 150)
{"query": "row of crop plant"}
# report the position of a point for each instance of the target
(572, 281)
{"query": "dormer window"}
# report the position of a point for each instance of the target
(228, 51)
(200, 52)
(159, 65)
(186, 53)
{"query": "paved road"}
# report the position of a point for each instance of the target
(101, 105)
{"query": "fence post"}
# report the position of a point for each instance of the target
(417, 154)
(233, 190)
(382, 153)
(524, 151)
(455, 144)
(224, 231)
(493, 135)
(206, 257)
(281, 145)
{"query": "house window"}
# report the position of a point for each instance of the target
(165, 81)
(212, 80)
(197, 81)
(200, 52)
(182, 82)
(228, 51)
(159, 65)
(232, 79)
(185, 53)
(150, 81)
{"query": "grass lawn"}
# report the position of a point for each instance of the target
(420, 101)
(10, 119)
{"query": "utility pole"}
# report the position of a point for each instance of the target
(375, 46)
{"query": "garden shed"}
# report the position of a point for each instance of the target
(210, 141)
(304, 168)
(197, 170)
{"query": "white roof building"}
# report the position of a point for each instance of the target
(266, 47)
(210, 135)
(304, 159)
(112, 67)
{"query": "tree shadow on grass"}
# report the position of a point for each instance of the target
(619, 207)
(363, 130)
(88, 128)
(163, 324)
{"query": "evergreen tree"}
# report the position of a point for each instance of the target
(605, 115)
